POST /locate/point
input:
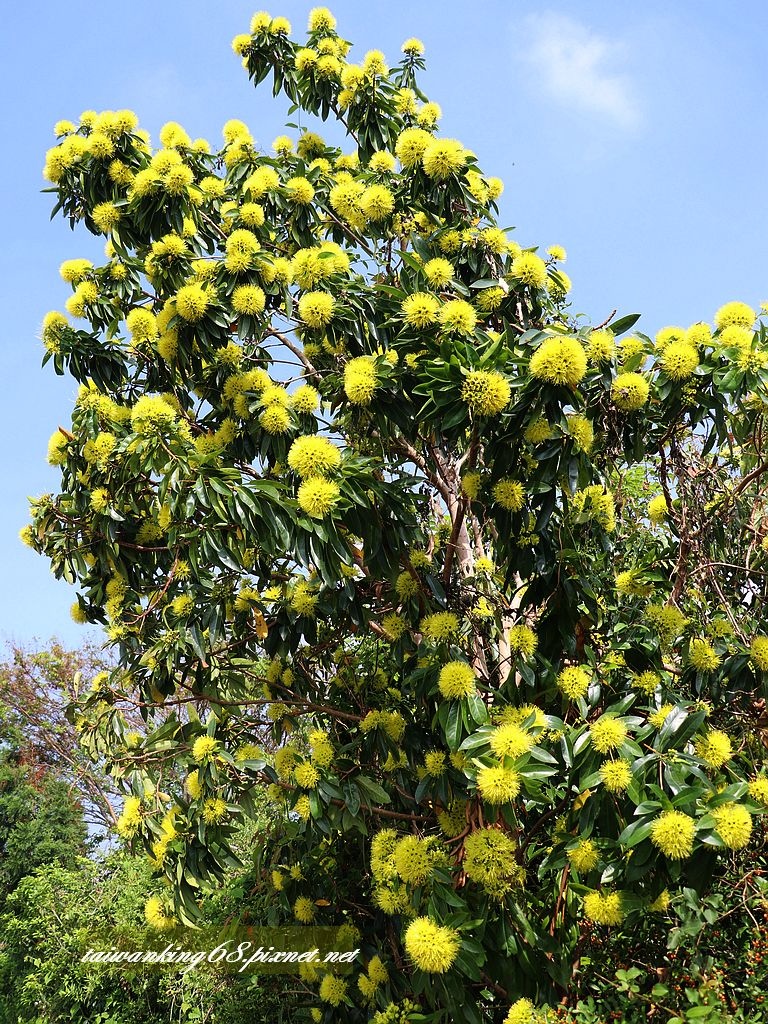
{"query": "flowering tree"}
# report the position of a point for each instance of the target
(373, 522)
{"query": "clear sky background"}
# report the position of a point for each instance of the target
(635, 135)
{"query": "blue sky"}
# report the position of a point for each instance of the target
(635, 135)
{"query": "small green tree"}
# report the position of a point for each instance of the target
(36, 688)
(344, 462)
(56, 913)
(40, 822)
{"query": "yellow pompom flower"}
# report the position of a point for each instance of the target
(522, 1012)
(440, 626)
(470, 484)
(382, 162)
(413, 47)
(714, 748)
(377, 203)
(758, 651)
(86, 293)
(318, 497)
(702, 655)
(584, 857)
(313, 456)
(316, 309)
(679, 360)
(616, 775)
(214, 810)
(698, 335)
(604, 908)
(510, 740)
(333, 990)
(283, 145)
(486, 392)
(433, 948)
(522, 640)
(105, 216)
(538, 431)
(758, 789)
(733, 825)
(657, 509)
(304, 910)
(509, 494)
(263, 180)
(156, 915)
(275, 419)
(394, 626)
(439, 272)
(668, 335)
(607, 733)
(661, 903)
(498, 785)
(303, 808)
(458, 317)
(582, 432)
(204, 748)
(360, 381)
(182, 605)
(191, 302)
(601, 346)
(530, 270)
(734, 314)
(434, 763)
(420, 310)
(659, 717)
(406, 586)
(630, 391)
(559, 361)
(443, 158)
(130, 818)
(57, 448)
(73, 271)
(306, 775)
(672, 833)
(321, 21)
(574, 681)
(280, 27)
(54, 324)
(413, 859)
(193, 786)
(488, 300)
(251, 214)
(248, 299)
(299, 191)
(428, 115)
(142, 324)
(457, 680)
(150, 414)
(411, 146)
(306, 399)
(375, 64)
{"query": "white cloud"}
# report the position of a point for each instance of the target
(574, 65)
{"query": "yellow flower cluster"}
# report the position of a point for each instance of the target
(584, 857)
(561, 361)
(486, 393)
(607, 733)
(574, 681)
(360, 380)
(430, 946)
(672, 833)
(457, 679)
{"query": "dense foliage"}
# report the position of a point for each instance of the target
(372, 519)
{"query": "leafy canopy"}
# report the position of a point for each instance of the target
(372, 519)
